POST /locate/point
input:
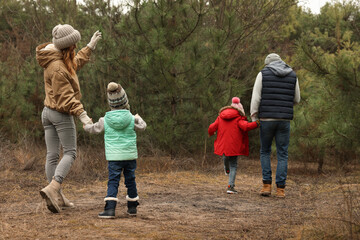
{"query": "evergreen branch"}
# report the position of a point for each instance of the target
(322, 70)
(349, 82)
(133, 69)
(178, 73)
(341, 135)
(191, 86)
(105, 73)
(163, 73)
(191, 31)
(356, 28)
(228, 32)
(37, 20)
(255, 26)
(162, 16)
(209, 73)
(355, 78)
(329, 92)
(140, 28)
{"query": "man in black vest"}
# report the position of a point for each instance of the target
(275, 92)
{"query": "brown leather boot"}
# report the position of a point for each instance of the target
(280, 192)
(51, 194)
(266, 190)
(64, 202)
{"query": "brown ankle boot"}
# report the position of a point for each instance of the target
(280, 192)
(64, 202)
(266, 190)
(51, 194)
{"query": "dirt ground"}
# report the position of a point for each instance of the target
(180, 205)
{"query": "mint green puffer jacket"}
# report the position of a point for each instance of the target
(120, 136)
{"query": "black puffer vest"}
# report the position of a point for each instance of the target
(277, 95)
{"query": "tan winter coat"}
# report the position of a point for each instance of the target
(62, 89)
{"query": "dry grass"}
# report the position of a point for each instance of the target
(180, 199)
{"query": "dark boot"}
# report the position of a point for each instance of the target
(132, 204)
(132, 207)
(109, 210)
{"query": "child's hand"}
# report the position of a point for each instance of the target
(87, 123)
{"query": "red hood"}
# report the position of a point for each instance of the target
(229, 113)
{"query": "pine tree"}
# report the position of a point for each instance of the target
(330, 57)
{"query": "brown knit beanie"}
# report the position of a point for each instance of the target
(117, 97)
(65, 36)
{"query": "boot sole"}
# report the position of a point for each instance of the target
(53, 207)
(265, 194)
(106, 217)
(230, 192)
(67, 207)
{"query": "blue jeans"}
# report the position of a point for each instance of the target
(115, 169)
(281, 131)
(231, 162)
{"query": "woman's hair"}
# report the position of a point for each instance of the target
(68, 57)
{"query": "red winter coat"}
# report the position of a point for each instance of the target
(232, 138)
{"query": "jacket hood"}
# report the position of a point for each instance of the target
(279, 68)
(231, 107)
(47, 53)
(118, 119)
(229, 113)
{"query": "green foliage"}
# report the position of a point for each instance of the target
(181, 61)
(328, 119)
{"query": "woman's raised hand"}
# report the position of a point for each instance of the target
(94, 39)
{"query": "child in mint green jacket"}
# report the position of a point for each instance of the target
(119, 126)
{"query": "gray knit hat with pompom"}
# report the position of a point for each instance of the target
(65, 36)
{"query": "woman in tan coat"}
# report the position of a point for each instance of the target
(62, 103)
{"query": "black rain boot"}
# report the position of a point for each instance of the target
(132, 207)
(109, 210)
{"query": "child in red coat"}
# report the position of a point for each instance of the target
(232, 139)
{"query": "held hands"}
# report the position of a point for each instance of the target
(258, 122)
(94, 39)
(87, 123)
(84, 118)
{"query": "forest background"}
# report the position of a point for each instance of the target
(181, 61)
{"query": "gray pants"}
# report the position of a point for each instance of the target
(230, 162)
(59, 131)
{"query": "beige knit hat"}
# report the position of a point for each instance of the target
(272, 57)
(117, 97)
(235, 102)
(65, 36)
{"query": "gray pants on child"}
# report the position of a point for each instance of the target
(230, 162)
(59, 131)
